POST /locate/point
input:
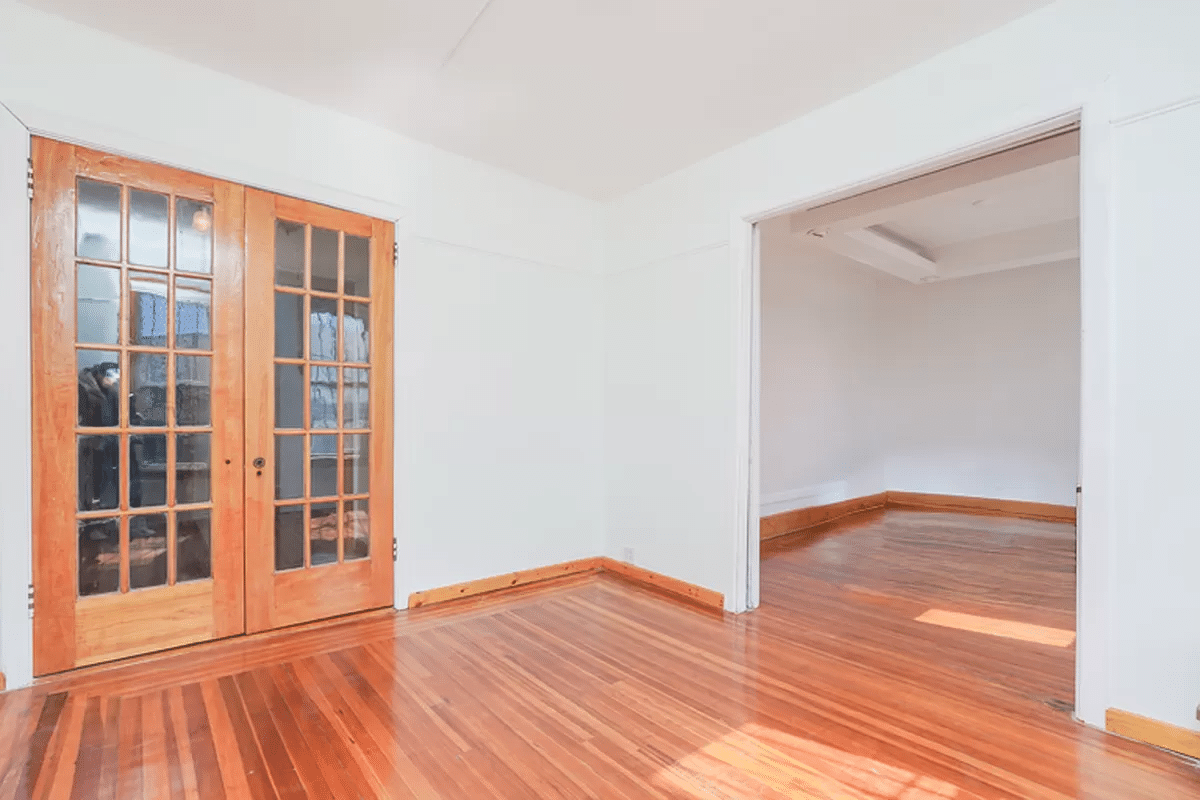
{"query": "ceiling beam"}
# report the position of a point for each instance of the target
(869, 253)
(893, 245)
(876, 206)
(1045, 244)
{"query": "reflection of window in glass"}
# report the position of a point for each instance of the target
(323, 394)
(193, 392)
(98, 220)
(193, 235)
(148, 320)
(357, 332)
(356, 399)
(193, 303)
(98, 304)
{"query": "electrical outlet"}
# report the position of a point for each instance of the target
(627, 555)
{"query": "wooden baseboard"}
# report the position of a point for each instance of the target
(512, 580)
(1151, 731)
(1020, 509)
(498, 582)
(804, 518)
(689, 591)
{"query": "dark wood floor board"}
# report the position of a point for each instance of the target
(590, 687)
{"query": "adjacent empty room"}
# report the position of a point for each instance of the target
(920, 407)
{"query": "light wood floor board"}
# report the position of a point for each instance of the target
(1055, 637)
(593, 687)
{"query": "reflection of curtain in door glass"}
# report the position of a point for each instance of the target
(324, 336)
(324, 397)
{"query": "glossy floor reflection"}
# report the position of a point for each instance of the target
(591, 687)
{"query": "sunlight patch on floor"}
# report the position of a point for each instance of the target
(754, 759)
(1056, 637)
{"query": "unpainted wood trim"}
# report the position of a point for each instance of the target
(497, 582)
(1151, 731)
(1020, 509)
(689, 591)
(803, 518)
(512, 580)
(3, 684)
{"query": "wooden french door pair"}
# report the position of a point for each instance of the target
(211, 408)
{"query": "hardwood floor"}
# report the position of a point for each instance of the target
(592, 687)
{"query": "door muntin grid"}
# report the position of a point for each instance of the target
(143, 348)
(322, 374)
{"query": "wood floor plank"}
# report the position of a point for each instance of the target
(229, 759)
(280, 767)
(205, 763)
(386, 770)
(590, 687)
(319, 739)
(252, 760)
(31, 770)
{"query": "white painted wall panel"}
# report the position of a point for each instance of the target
(980, 385)
(16, 508)
(1156, 592)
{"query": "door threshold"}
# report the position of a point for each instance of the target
(211, 650)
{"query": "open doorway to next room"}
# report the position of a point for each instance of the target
(920, 417)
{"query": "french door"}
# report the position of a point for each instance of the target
(155, 394)
(318, 412)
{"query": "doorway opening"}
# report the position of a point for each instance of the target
(919, 407)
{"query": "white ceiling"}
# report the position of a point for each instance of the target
(1014, 209)
(593, 96)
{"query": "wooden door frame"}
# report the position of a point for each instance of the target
(16, 647)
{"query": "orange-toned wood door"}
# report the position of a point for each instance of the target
(318, 412)
(138, 395)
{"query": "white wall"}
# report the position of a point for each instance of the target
(667, 326)
(966, 386)
(669, 240)
(821, 377)
(980, 385)
(1156, 638)
(16, 490)
(498, 313)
